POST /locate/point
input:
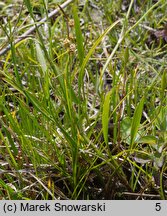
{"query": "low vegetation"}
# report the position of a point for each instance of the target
(83, 99)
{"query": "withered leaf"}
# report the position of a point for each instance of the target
(159, 34)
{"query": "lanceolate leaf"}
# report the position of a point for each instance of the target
(136, 121)
(41, 58)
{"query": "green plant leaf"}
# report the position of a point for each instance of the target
(95, 44)
(136, 121)
(78, 33)
(163, 85)
(41, 58)
(11, 142)
(105, 116)
(29, 6)
(148, 139)
(126, 129)
(161, 120)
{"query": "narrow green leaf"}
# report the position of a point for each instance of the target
(163, 85)
(78, 33)
(126, 55)
(38, 105)
(44, 111)
(41, 58)
(105, 116)
(11, 142)
(95, 44)
(13, 122)
(136, 121)
(12, 157)
(29, 6)
(13, 83)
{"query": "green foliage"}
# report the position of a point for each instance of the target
(136, 121)
(83, 108)
(78, 33)
(105, 116)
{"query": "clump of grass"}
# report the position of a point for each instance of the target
(83, 106)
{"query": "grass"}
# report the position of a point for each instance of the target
(83, 106)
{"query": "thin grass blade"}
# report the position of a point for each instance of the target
(105, 116)
(78, 33)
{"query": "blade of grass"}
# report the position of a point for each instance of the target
(105, 116)
(78, 33)
(125, 33)
(96, 43)
(32, 29)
